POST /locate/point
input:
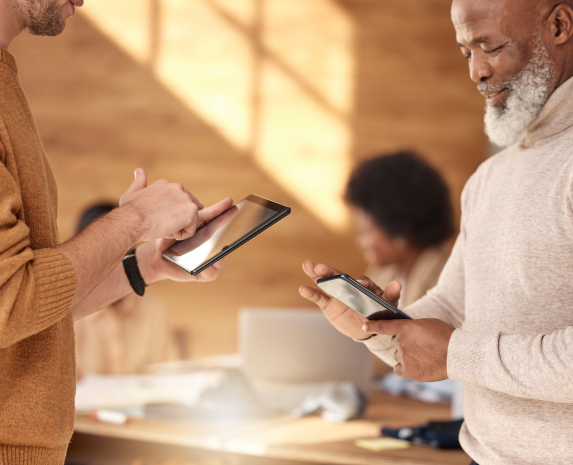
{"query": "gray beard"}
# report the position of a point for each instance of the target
(528, 93)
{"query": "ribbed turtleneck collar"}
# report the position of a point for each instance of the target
(556, 116)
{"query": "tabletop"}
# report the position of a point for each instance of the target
(309, 439)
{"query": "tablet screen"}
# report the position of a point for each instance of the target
(225, 233)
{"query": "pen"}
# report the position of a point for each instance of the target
(109, 416)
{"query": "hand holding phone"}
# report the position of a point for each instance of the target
(345, 319)
(359, 298)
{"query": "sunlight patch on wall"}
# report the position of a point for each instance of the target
(243, 11)
(126, 23)
(309, 159)
(209, 65)
(305, 135)
(274, 77)
(316, 39)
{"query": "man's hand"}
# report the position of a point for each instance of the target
(155, 268)
(164, 209)
(420, 346)
(342, 317)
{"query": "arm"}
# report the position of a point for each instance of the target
(534, 367)
(435, 316)
(36, 286)
(147, 213)
(423, 341)
(152, 266)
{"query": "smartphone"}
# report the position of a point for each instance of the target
(359, 298)
(225, 233)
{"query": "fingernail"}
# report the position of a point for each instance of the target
(365, 328)
(135, 173)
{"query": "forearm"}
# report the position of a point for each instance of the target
(116, 284)
(112, 288)
(98, 251)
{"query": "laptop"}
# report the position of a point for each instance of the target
(300, 346)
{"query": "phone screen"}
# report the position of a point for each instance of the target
(359, 298)
(225, 233)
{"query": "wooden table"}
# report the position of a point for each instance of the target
(277, 440)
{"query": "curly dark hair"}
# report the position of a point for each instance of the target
(405, 197)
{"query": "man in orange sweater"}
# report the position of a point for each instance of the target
(44, 285)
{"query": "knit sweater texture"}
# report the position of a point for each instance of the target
(37, 284)
(508, 289)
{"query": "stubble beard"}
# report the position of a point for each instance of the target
(43, 17)
(528, 93)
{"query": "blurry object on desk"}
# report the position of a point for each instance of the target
(207, 395)
(95, 392)
(233, 398)
(299, 364)
(300, 346)
(129, 334)
(336, 402)
(440, 391)
(437, 434)
(291, 362)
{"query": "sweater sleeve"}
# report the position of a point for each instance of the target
(535, 367)
(36, 286)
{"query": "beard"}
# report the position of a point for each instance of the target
(43, 17)
(528, 93)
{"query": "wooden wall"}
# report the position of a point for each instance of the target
(102, 112)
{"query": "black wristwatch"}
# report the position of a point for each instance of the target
(133, 274)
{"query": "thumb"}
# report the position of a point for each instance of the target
(140, 182)
(392, 292)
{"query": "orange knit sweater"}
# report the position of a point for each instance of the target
(37, 284)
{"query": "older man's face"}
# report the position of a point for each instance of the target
(502, 42)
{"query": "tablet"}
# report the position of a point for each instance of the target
(225, 233)
(360, 298)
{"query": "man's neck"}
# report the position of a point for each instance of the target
(11, 23)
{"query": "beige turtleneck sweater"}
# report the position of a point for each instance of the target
(508, 289)
(37, 284)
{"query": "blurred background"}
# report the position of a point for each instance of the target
(281, 98)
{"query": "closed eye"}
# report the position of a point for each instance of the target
(491, 52)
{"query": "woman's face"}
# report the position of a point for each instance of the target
(377, 247)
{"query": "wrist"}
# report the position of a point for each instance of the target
(134, 219)
(145, 255)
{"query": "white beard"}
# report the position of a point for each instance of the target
(528, 93)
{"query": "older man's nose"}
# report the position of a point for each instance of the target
(480, 69)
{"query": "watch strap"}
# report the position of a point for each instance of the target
(133, 274)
